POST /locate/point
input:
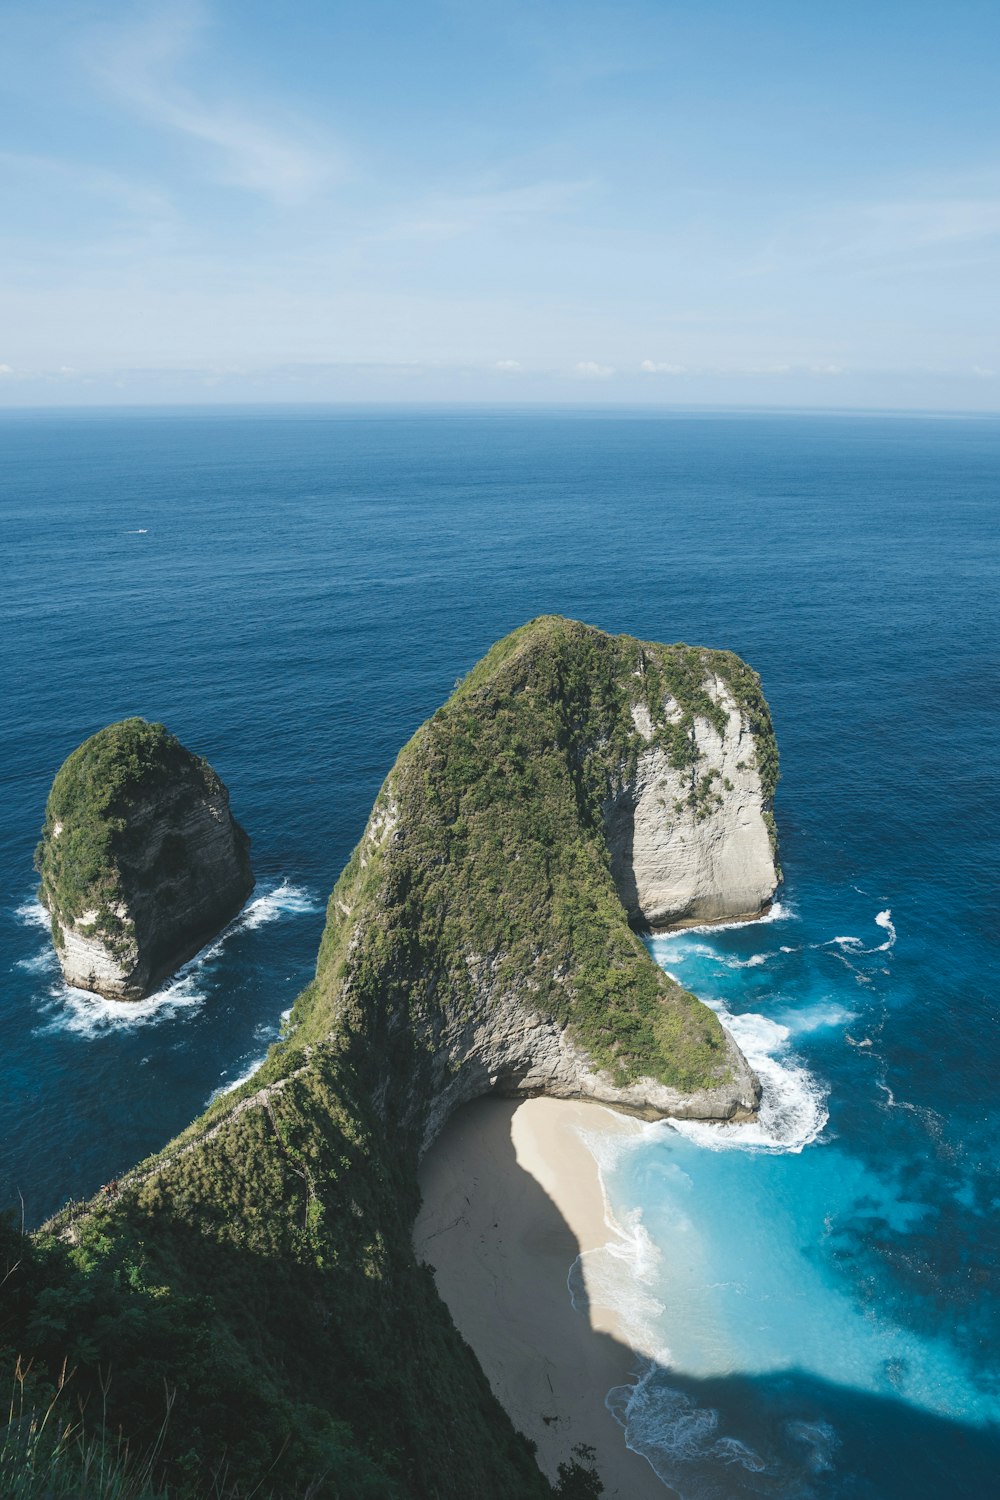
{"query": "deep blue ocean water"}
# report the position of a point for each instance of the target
(292, 592)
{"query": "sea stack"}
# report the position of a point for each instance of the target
(141, 860)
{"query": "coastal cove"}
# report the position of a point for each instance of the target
(511, 1197)
(869, 1177)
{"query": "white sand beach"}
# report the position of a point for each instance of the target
(511, 1196)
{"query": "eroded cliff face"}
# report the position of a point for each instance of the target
(693, 843)
(479, 939)
(142, 862)
(500, 1035)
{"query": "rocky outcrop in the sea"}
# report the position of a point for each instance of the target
(141, 860)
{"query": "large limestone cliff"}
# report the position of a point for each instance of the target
(141, 859)
(575, 784)
(478, 939)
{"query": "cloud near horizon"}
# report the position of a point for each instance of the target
(200, 186)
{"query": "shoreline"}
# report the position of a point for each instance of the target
(511, 1198)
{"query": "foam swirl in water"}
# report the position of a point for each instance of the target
(91, 1015)
(793, 1102)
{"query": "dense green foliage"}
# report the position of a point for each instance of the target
(258, 1274)
(265, 1283)
(502, 856)
(85, 835)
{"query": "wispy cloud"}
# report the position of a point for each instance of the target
(139, 66)
(589, 369)
(445, 216)
(932, 220)
(658, 367)
(915, 228)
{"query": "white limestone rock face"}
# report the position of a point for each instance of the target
(693, 844)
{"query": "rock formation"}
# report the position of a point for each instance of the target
(689, 830)
(575, 781)
(141, 861)
(482, 937)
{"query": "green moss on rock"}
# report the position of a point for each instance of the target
(86, 816)
(140, 859)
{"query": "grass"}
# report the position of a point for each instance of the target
(45, 1453)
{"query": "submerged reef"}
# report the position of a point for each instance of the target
(576, 787)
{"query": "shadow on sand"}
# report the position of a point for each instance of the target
(787, 1434)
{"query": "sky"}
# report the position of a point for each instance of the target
(729, 202)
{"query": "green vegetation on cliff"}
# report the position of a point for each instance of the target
(501, 850)
(258, 1273)
(85, 837)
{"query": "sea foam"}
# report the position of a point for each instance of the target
(89, 1015)
(855, 945)
(793, 1102)
(779, 911)
(32, 914)
(680, 1440)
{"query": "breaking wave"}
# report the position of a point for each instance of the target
(264, 1033)
(244, 1077)
(90, 1015)
(675, 1435)
(285, 900)
(683, 1443)
(793, 1103)
(621, 1275)
(32, 914)
(779, 911)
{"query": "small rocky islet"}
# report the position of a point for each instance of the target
(576, 789)
(141, 860)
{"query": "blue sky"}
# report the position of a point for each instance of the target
(641, 201)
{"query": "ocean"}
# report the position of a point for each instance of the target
(293, 591)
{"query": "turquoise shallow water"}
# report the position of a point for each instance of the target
(293, 592)
(796, 1254)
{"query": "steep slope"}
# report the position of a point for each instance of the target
(481, 925)
(477, 939)
(141, 861)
